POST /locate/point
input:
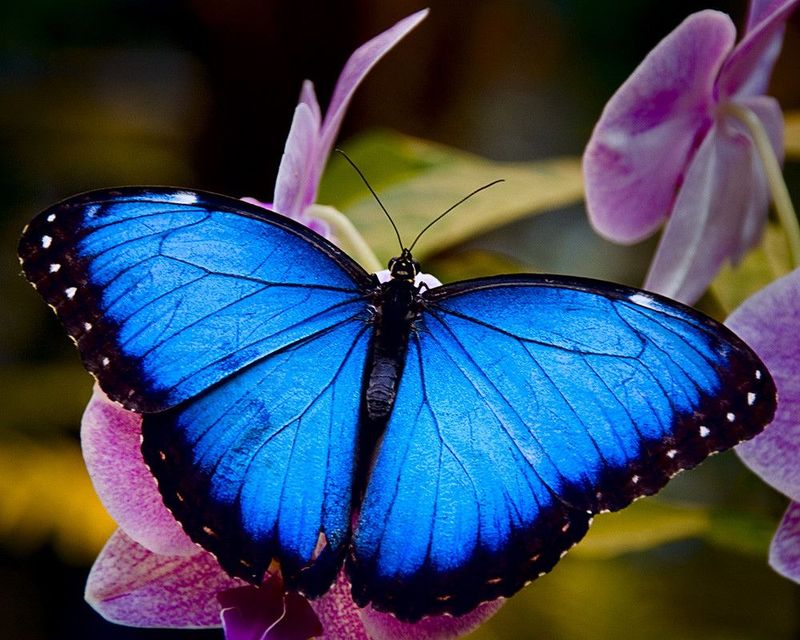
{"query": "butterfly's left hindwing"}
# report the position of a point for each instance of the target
(526, 405)
(261, 466)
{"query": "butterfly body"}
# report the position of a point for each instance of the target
(396, 307)
(447, 445)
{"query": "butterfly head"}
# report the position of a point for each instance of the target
(404, 267)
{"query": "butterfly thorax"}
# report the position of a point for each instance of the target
(395, 308)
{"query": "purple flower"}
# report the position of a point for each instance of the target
(311, 137)
(768, 322)
(150, 574)
(671, 143)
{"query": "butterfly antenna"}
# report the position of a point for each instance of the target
(439, 217)
(374, 195)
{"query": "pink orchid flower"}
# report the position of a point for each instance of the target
(767, 321)
(670, 145)
(150, 574)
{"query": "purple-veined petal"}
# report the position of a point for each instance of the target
(355, 70)
(760, 10)
(296, 171)
(111, 440)
(267, 613)
(387, 627)
(784, 552)
(638, 152)
(724, 187)
(133, 586)
(339, 615)
(747, 70)
(768, 322)
(343, 620)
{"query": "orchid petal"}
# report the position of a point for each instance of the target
(387, 627)
(308, 97)
(111, 440)
(339, 615)
(267, 613)
(636, 156)
(760, 10)
(767, 321)
(747, 70)
(784, 552)
(296, 171)
(768, 111)
(725, 186)
(130, 585)
(258, 203)
(355, 70)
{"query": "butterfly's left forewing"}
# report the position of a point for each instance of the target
(527, 405)
(166, 292)
(242, 336)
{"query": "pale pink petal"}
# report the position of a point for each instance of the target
(339, 615)
(258, 203)
(130, 585)
(387, 627)
(784, 552)
(768, 322)
(111, 441)
(355, 70)
(267, 613)
(747, 70)
(296, 171)
(637, 155)
(724, 192)
(308, 97)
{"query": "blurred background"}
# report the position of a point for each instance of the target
(200, 93)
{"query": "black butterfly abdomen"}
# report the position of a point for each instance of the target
(395, 311)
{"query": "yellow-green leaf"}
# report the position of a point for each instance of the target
(472, 263)
(643, 525)
(418, 180)
(767, 262)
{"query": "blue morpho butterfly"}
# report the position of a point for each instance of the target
(447, 444)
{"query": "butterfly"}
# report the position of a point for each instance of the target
(447, 445)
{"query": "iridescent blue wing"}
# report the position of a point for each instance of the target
(526, 405)
(241, 335)
(166, 292)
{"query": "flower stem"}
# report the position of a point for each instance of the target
(347, 236)
(780, 194)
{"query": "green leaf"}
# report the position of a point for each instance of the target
(418, 180)
(643, 525)
(741, 532)
(472, 263)
(767, 262)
